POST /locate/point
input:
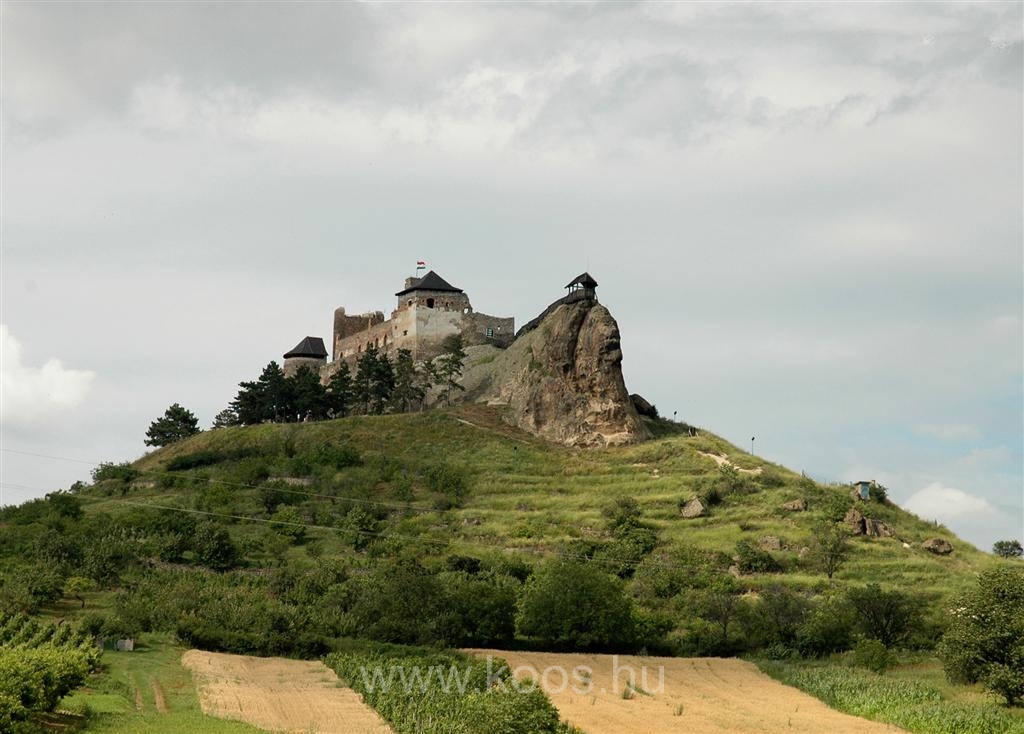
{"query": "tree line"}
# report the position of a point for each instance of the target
(380, 384)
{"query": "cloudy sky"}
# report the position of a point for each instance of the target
(807, 219)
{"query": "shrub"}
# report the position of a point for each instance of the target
(827, 628)
(571, 603)
(873, 655)
(194, 460)
(755, 560)
(1008, 549)
(107, 471)
(887, 616)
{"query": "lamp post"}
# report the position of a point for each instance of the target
(752, 445)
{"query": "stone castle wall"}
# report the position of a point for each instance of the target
(420, 323)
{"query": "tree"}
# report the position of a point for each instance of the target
(830, 547)
(225, 418)
(308, 394)
(408, 386)
(77, 586)
(719, 604)
(985, 639)
(570, 603)
(175, 424)
(448, 367)
(1008, 549)
(887, 616)
(382, 384)
(339, 392)
(362, 383)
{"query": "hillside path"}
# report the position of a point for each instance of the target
(279, 695)
(699, 696)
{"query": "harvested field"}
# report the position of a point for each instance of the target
(279, 695)
(698, 696)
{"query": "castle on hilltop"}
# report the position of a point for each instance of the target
(429, 310)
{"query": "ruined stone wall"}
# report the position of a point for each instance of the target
(421, 323)
(347, 326)
(479, 328)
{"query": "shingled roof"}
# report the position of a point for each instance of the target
(584, 280)
(431, 282)
(311, 346)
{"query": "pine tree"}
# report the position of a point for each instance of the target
(383, 383)
(408, 389)
(175, 424)
(339, 392)
(362, 385)
(309, 395)
(448, 367)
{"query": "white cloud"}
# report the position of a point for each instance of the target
(28, 393)
(949, 505)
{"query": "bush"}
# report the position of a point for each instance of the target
(107, 471)
(873, 655)
(575, 604)
(828, 628)
(755, 560)
(887, 616)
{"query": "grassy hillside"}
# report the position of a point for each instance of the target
(526, 497)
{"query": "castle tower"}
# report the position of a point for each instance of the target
(310, 352)
(432, 291)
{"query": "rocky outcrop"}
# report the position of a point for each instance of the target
(795, 506)
(693, 508)
(938, 546)
(562, 379)
(643, 407)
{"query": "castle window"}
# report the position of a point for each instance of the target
(430, 303)
(490, 332)
(405, 333)
(410, 303)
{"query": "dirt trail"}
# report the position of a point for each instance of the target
(723, 460)
(279, 695)
(698, 696)
(158, 697)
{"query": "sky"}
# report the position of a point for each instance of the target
(806, 218)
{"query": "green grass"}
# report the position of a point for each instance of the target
(530, 497)
(915, 696)
(111, 700)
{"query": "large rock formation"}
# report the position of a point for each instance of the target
(562, 378)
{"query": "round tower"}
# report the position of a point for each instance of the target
(310, 352)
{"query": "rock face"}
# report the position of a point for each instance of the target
(795, 506)
(562, 379)
(938, 546)
(877, 528)
(855, 521)
(643, 407)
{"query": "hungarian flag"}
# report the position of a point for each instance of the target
(420, 265)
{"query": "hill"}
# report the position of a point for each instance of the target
(524, 497)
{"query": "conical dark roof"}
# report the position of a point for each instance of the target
(584, 280)
(431, 282)
(311, 346)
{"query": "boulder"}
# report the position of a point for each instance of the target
(795, 506)
(643, 407)
(694, 508)
(855, 521)
(770, 543)
(938, 546)
(734, 571)
(877, 529)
